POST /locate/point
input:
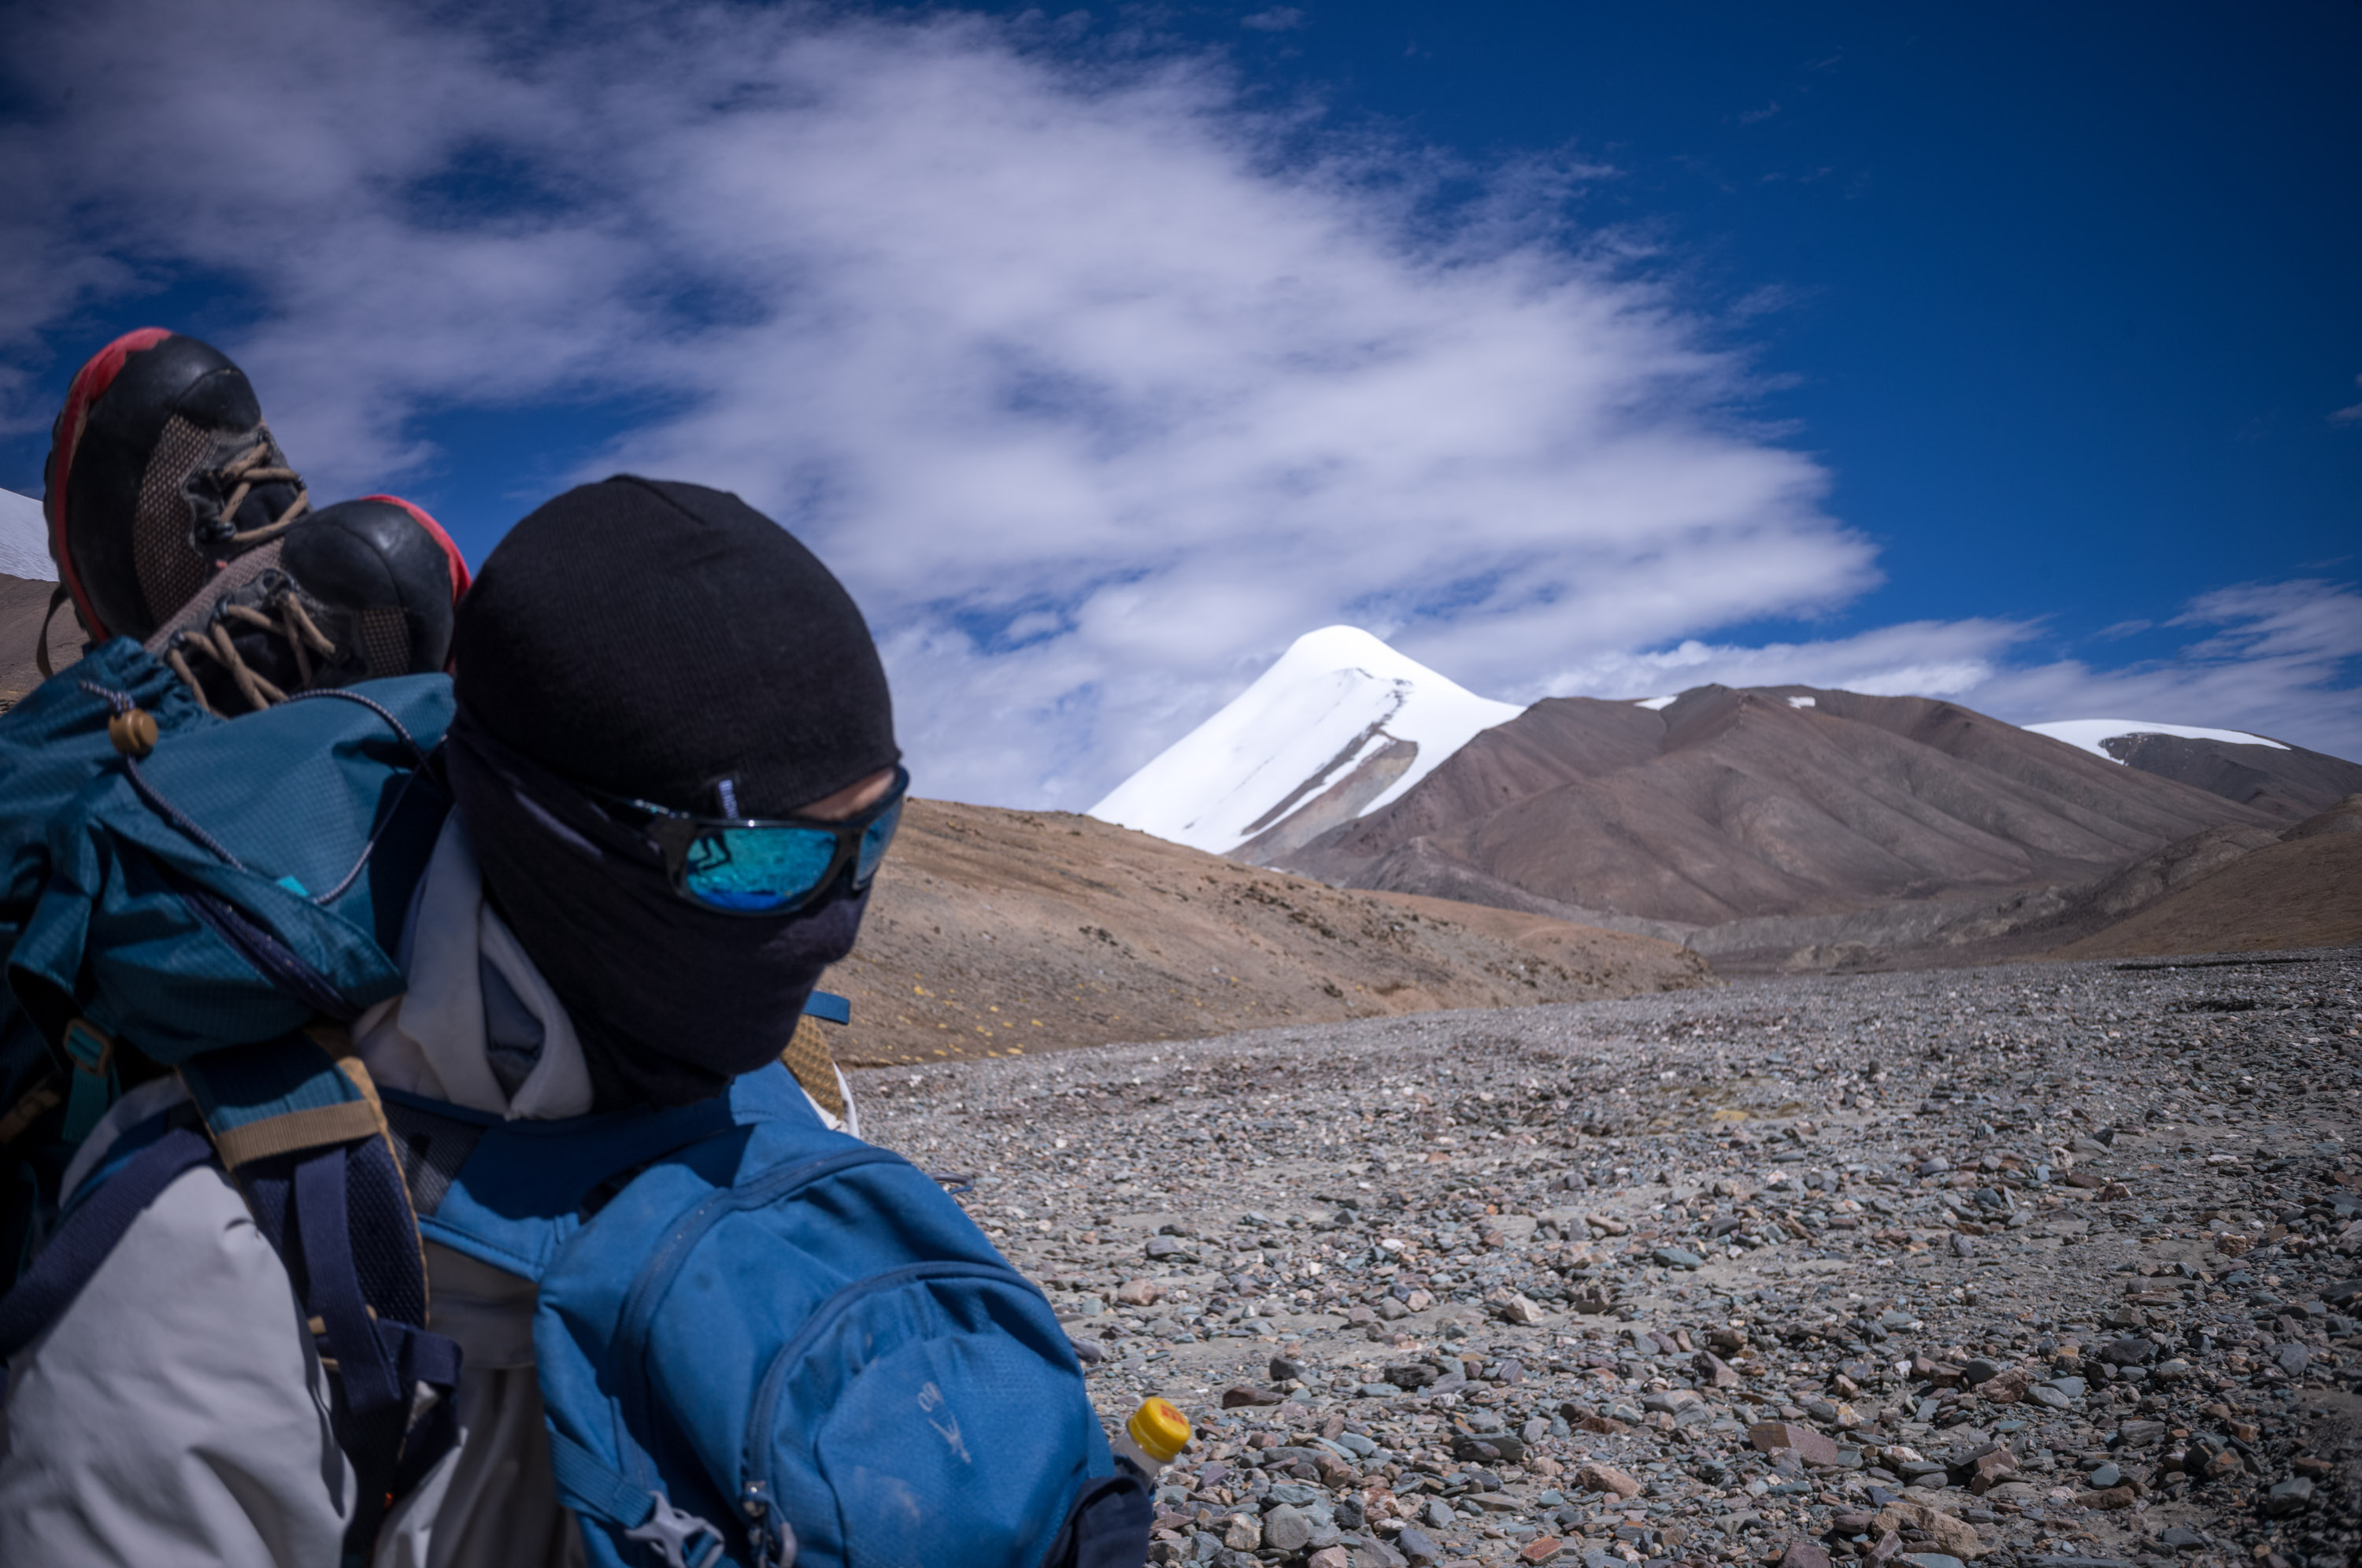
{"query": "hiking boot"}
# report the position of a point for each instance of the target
(355, 592)
(161, 472)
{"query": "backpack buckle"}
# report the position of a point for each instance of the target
(90, 1048)
(673, 1531)
(91, 1086)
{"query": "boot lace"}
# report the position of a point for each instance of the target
(213, 642)
(242, 473)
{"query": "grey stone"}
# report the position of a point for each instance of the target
(2103, 1477)
(2292, 1359)
(1419, 1547)
(1284, 1528)
(2289, 1496)
(1930, 1560)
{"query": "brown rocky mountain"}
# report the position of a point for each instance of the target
(2284, 781)
(1729, 805)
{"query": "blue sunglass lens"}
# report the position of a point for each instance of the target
(874, 841)
(754, 870)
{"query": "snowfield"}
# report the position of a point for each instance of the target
(1335, 700)
(2089, 733)
(24, 538)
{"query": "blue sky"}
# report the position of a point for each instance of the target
(2008, 355)
(2067, 293)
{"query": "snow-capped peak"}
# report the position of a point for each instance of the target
(2089, 734)
(1339, 726)
(24, 538)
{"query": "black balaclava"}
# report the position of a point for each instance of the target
(650, 639)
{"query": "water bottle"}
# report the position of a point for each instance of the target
(1155, 1432)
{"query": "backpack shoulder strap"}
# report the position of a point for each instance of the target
(295, 1123)
(300, 1127)
(510, 1193)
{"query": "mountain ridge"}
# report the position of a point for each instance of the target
(1731, 803)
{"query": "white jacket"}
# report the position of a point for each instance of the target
(177, 1413)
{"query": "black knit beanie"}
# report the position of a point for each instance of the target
(650, 638)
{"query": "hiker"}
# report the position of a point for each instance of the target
(673, 773)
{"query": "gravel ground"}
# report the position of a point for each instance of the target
(2038, 1266)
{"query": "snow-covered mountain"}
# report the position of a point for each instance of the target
(24, 538)
(2280, 779)
(2093, 734)
(1341, 724)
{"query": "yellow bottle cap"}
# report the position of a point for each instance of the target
(1161, 1431)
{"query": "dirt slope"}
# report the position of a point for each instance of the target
(994, 932)
(1786, 801)
(22, 605)
(2303, 891)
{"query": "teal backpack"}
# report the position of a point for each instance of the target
(759, 1341)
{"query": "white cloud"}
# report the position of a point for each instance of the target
(2270, 659)
(2276, 660)
(2351, 414)
(1927, 658)
(1096, 387)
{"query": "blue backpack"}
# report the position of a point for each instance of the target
(759, 1341)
